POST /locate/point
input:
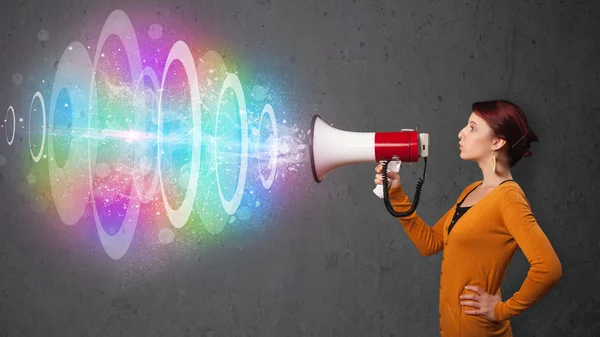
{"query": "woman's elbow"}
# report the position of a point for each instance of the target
(554, 270)
(428, 251)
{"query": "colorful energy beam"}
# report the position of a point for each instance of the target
(175, 143)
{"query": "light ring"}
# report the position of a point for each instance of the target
(233, 82)
(69, 190)
(145, 195)
(14, 125)
(181, 52)
(118, 24)
(39, 155)
(268, 182)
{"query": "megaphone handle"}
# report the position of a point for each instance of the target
(393, 166)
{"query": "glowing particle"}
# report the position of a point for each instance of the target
(259, 93)
(31, 178)
(232, 219)
(43, 35)
(17, 78)
(155, 31)
(70, 47)
(21, 120)
(243, 213)
(166, 236)
(257, 203)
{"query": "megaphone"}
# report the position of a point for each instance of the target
(331, 148)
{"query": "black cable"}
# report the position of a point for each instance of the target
(386, 199)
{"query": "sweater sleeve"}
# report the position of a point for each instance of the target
(428, 240)
(545, 268)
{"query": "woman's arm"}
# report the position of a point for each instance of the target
(545, 268)
(428, 240)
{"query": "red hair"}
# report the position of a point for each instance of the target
(508, 122)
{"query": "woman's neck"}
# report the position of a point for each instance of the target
(493, 179)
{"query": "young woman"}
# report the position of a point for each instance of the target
(479, 235)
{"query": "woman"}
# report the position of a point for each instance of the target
(481, 233)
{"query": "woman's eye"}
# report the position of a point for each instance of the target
(472, 128)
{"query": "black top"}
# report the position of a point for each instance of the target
(460, 210)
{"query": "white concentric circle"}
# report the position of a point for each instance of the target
(233, 82)
(181, 52)
(146, 195)
(36, 158)
(116, 24)
(69, 189)
(12, 139)
(267, 183)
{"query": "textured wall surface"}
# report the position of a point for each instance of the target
(331, 261)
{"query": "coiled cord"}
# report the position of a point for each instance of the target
(386, 199)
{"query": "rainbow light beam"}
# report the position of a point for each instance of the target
(141, 143)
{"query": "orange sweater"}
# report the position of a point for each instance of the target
(477, 252)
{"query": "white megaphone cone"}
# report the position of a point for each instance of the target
(331, 148)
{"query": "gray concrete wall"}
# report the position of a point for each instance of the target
(330, 261)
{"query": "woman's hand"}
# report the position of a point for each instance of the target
(395, 177)
(483, 301)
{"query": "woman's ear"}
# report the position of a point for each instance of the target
(498, 143)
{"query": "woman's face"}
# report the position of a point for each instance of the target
(475, 139)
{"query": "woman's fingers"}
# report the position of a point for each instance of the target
(478, 312)
(470, 297)
(393, 177)
(379, 177)
(471, 304)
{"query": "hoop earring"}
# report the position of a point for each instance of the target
(494, 162)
